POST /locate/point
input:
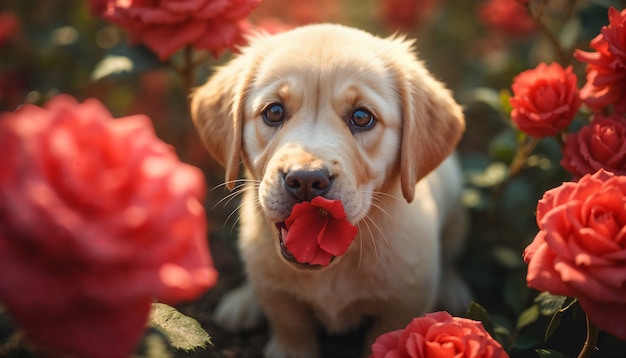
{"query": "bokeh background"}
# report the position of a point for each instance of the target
(476, 47)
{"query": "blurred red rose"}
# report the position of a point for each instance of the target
(580, 249)
(317, 231)
(98, 218)
(606, 68)
(274, 16)
(438, 335)
(508, 17)
(599, 145)
(406, 15)
(9, 26)
(545, 99)
(166, 26)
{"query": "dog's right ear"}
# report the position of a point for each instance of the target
(217, 110)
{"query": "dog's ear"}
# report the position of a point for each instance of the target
(432, 123)
(217, 110)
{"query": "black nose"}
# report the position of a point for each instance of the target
(304, 185)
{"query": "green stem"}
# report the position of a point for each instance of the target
(521, 155)
(188, 70)
(590, 342)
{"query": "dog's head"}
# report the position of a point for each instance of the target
(327, 110)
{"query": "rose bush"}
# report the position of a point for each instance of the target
(166, 26)
(606, 68)
(98, 218)
(580, 249)
(317, 231)
(545, 99)
(599, 145)
(438, 334)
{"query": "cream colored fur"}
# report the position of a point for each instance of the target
(389, 178)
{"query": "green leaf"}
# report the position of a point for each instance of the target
(530, 315)
(112, 65)
(493, 175)
(505, 97)
(524, 343)
(479, 313)
(556, 318)
(183, 332)
(550, 353)
(503, 146)
(549, 304)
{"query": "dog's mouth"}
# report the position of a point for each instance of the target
(315, 233)
(287, 255)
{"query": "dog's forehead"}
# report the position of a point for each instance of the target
(322, 52)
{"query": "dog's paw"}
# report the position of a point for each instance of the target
(299, 348)
(238, 310)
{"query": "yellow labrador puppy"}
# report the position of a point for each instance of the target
(334, 111)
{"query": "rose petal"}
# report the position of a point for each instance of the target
(609, 317)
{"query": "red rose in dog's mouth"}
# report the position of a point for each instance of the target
(316, 231)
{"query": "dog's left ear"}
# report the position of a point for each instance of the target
(432, 124)
(217, 112)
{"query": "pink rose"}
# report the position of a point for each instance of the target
(599, 145)
(166, 26)
(545, 99)
(606, 68)
(317, 231)
(438, 335)
(98, 218)
(580, 249)
(508, 17)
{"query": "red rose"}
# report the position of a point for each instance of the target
(406, 14)
(98, 218)
(317, 231)
(545, 99)
(166, 26)
(438, 335)
(606, 68)
(580, 249)
(508, 17)
(599, 145)
(9, 26)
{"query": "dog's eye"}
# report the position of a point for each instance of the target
(362, 119)
(274, 114)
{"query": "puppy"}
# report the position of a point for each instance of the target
(355, 118)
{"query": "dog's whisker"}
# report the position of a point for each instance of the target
(236, 210)
(358, 266)
(382, 233)
(228, 198)
(375, 193)
(237, 182)
(371, 235)
(381, 209)
(240, 189)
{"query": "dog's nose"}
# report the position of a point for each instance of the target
(304, 185)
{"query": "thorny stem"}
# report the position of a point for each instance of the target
(521, 155)
(590, 342)
(188, 70)
(562, 57)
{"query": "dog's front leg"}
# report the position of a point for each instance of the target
(293, 326)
